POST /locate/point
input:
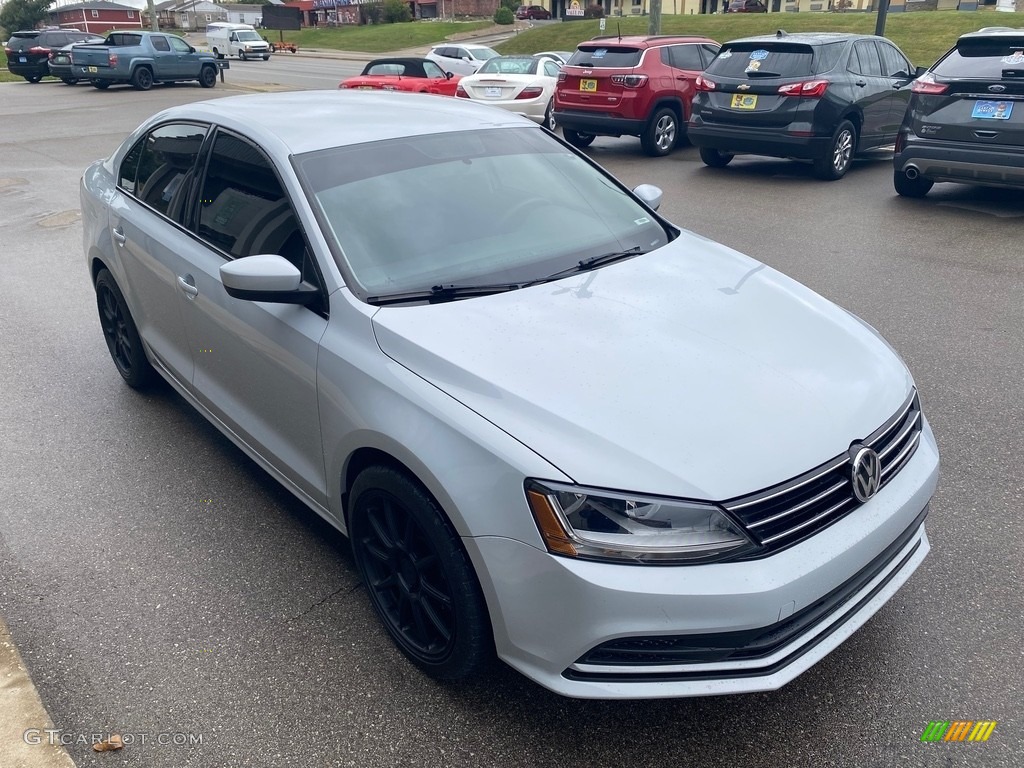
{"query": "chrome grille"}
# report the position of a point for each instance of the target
(790, 512)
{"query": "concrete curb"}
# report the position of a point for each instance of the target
(22, 713)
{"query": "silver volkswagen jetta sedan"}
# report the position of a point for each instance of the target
(630, 461)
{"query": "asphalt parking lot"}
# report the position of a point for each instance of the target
(159, 585)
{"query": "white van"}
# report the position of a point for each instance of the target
(240, 40)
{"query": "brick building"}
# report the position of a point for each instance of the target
(97, 17)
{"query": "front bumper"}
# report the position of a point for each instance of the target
(964, 163)
(598, 123)
(774, 142)
(551, 614)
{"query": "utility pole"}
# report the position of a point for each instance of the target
(883, 9)
(654, 23)
(153, 23)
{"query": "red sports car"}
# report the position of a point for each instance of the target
(405, 74)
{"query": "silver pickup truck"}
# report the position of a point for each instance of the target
(143, 58)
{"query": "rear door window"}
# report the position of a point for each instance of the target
(683, 57)
(159, 169)
(763, 60)
(864, 59)
(894, 64)
(606, 56)
(160, 43)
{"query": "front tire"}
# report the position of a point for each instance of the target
(207, 77)
(577, 139)
(839, 157)
(715, 158)
(661, 132)
(266, 57)
(101, 84)
(142, 79)
(69, 80)
(120, 333)
(907, 187)
(419, 578)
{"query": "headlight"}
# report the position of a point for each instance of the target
(625, 527)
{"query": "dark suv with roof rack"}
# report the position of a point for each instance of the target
(813, 96)
(631, 86)
(28, 52)
(965, 121)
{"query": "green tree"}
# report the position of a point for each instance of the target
(512, 5)
(396, 11)
(504, 16)
(23, 14)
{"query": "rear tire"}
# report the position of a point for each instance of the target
(908, 187)
(33, 78)
(120, 333)
(217, 54)
(101, 84)
(549, 118)
(661, 133)
(208, 77)
(839, 157)
(142, 79)
(419, 578)
(715, 158)
(69, 80)
(577, 139)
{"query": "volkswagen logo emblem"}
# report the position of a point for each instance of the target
(865, 472)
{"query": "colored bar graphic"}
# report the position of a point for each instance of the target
(958, 730)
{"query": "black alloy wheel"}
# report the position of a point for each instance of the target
(120, 333)
(418, 576)
(837, 160)
(142, 79)
(208, 77)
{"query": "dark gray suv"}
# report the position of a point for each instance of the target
(812, 96)
(28, 52)
(965, 121)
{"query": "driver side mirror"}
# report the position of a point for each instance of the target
(191, 49)
(265, 278)
(649, 193)
(447, 75)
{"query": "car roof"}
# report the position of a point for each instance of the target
(340, 117)
(805, 38)
(645, 41)
(399, 60)
(993, 33)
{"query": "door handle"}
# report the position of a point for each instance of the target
(986, 134)
(187, 284)
(860, 83)
(119, 236)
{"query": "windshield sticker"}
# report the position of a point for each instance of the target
(759, 55)
(1017, 57)
(753, 66)
(641, 221)
(725, 54)
(600, 53)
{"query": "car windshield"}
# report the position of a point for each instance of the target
(982, 58)
(470, 207)
(755, 59)
(247, 36)
(507, 65)
(605, 56)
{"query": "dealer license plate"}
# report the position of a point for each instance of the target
(92, 69)
(492, 92)
(743, 101)
(992, 110)
(590, 86)
(22, 59)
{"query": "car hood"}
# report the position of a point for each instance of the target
(691, 371)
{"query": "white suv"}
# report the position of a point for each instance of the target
(461, 59)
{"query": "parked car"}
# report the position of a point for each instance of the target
(59, 62)
(521, 84)
(631, 86)
(822, 97)
(545, 426)
(562, 57)
(142, 58)
(532, 12)
(747, 6)
(28, 52)
(965, 120)
(404, 74)
(461, 59)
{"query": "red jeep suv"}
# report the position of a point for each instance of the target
(633, 86)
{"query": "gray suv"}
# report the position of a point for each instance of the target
(28, 52)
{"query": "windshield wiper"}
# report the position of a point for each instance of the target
(583, 265)
(440, 293)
